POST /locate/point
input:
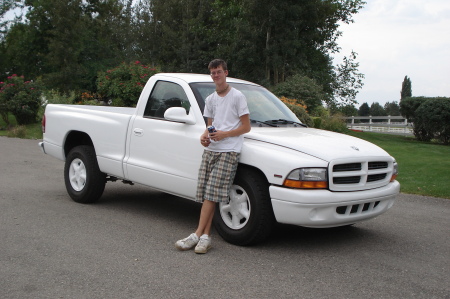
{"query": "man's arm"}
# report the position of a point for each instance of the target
(204, 138)
(242, 129)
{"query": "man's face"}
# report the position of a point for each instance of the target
(218, 75)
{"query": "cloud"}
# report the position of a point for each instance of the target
(398, 38)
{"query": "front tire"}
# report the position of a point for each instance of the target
(248, 217)
(84, 181)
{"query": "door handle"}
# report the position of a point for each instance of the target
(138, 132)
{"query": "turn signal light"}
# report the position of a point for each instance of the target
(306, 184)
(307, 178)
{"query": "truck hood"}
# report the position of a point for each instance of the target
(325, 145)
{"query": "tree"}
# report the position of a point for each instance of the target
(406, 88)
(392, 108)
(348, 80)
(263, 41)
(66, 42)
(376, 109)
(364, 110)
(432, 120)
(187, 34)
(302, 89)
(6, 6)
(345, 109)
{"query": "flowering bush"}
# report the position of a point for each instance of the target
(21, 98)
(299, 110)
(124, 83)
(301, 87)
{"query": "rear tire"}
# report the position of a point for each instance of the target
(248, 217)
(84, 181)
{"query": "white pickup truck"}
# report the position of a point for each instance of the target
(288, 173)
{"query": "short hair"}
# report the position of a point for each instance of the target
(216, 63)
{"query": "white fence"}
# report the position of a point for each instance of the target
(383, 124)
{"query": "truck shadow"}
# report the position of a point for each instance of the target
(181, 213)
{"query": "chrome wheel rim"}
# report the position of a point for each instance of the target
(236, 213)
(77, 174)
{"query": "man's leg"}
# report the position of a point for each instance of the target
(206, 217)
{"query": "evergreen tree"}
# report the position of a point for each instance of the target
(348, 110)
(364, 110)
(263, 41)
(376, 109)
(406, 88)
(392, 108)
(66, 42)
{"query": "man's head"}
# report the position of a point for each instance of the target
(216, 63)
(219, 72)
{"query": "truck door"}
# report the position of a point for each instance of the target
(164, 154)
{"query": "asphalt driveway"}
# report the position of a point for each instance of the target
(122, 246)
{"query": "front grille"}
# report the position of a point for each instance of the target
(347, 180)
(347, 167)
(376, 177)
(377, 165)
(355, 174)
(357, 209)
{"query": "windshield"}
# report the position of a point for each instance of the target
(265, 108)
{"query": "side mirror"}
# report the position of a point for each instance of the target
(179, 114)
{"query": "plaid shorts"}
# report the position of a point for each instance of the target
(216, 175)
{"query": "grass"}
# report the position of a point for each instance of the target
(32, 131)
(424, 168)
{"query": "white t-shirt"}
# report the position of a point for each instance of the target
(226, 112)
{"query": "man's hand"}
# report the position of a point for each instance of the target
(218, 135)
(204, 139)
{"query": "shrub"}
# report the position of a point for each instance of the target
(333, 123)
(317, 122)
(432, 120)
(21, 98)
(319, 111)
(299, 110)
(55, 97)
(124, 83)
(302, 88)
(408, 107)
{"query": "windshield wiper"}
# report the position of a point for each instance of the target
(287, 122)
(263, 122)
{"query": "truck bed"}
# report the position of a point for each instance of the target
(106, 126)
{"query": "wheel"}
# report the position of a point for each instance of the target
(248, 217)
(84, 181)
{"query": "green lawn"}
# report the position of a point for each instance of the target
(33, 131)
(424, 168)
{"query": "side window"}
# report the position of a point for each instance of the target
(165, 95)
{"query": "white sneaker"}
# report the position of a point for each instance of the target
(187, 243)
(204, 244)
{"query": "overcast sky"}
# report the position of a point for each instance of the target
(398, 38)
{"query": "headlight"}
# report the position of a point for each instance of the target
(307, 178)
(394, 172)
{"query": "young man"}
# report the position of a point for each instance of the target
(226, 109)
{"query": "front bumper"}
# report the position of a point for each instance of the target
(323, 208)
